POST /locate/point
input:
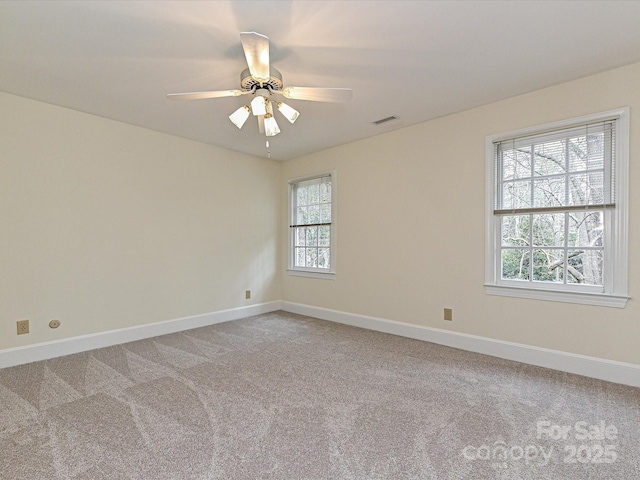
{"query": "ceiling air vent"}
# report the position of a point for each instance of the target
(385, 120)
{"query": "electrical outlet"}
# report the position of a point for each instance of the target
(23, 326)
(448, 314)
(247, 294)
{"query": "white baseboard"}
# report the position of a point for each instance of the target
(603, 369)
(57, 348)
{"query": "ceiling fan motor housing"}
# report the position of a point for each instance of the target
(248, 83)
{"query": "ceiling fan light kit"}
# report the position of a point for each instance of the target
(262, 81)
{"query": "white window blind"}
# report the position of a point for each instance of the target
(569, 169)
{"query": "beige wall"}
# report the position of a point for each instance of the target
(411, 226)
(104, 225)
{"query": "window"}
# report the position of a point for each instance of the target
(557, 211)
(312, 227)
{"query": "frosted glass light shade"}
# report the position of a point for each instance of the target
(289, 113)
(259, 105)
(240, 116)
(270, 126)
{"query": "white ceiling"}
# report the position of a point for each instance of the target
(417, 60)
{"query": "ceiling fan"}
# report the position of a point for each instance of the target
(262, 82)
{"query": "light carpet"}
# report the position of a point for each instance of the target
(283, 396)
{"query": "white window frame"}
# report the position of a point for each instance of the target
(614, 292)
(328, 274)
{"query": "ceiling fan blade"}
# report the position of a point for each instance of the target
(202, 95)
(256, 50)
(318, 94)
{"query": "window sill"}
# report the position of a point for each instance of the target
(598, 299)
(310, 274)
